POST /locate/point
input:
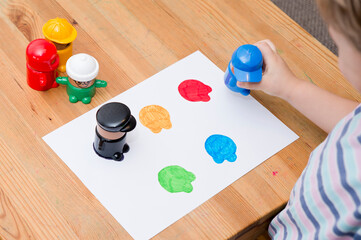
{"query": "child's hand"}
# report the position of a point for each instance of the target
(277, 80)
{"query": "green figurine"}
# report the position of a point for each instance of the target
(81, 82)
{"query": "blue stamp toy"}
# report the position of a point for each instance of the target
(245, 66)
(221, 148)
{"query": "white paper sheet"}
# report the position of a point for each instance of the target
(130, 189)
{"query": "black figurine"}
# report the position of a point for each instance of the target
(114, 120)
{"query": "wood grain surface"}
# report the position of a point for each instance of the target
(40, 198)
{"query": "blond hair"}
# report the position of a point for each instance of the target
(345, 17)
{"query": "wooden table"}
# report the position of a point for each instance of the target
(132, 40)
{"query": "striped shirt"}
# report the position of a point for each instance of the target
(325, 202)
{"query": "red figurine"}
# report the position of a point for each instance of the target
(42, 61)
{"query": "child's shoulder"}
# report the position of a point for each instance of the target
(328, 192)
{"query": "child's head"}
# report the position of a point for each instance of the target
(345, 17)
(344, 20)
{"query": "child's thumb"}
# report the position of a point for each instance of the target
(247, 85)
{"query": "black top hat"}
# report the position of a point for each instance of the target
(115, 117)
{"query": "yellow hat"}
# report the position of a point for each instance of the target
(59, 30)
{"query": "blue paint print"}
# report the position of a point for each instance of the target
(221, 148)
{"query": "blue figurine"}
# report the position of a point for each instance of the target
(245, 66)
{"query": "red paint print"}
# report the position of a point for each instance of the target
(194, 90)
(275, 173)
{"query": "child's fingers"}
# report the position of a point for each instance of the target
(267, 49)
(269, 43)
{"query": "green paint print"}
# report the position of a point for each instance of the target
(309, 78)
(176, 179)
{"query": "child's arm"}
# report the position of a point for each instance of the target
(320, 106)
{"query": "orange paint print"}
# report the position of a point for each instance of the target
(155, 118)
